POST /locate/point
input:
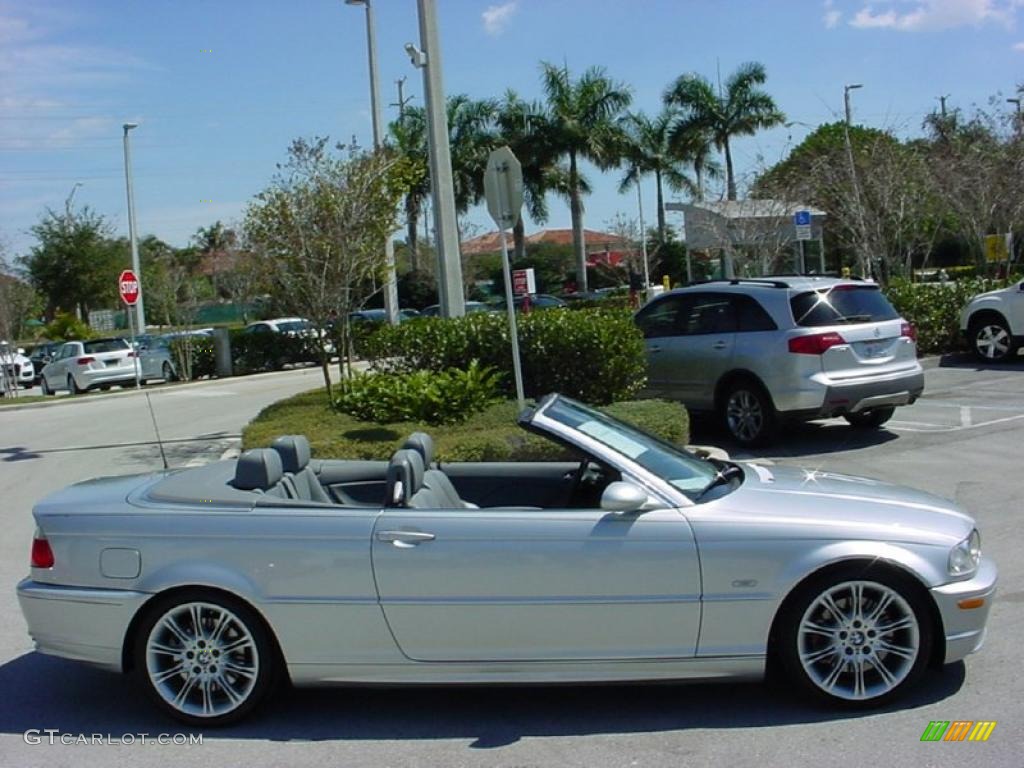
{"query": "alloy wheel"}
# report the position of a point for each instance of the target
(992, 342)
(858, 640)
(745, 415)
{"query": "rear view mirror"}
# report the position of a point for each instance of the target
(621, 496)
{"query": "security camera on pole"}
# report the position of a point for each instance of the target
(503, 189)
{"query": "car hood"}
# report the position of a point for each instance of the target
(859, 506)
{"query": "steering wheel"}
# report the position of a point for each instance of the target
(577, 482)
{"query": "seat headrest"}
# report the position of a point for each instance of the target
(423, 444)
(258, 469)
(405, 477)
(294, 452)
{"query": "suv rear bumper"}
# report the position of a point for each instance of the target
(835, 398)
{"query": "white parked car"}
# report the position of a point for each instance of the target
(296, 327)
(80, 366)
(993, 323)
(15, 368)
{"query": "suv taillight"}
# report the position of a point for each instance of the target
(909, 330)
(42, 555)
(85, 360)
(814, 344)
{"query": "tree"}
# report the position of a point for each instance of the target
(648, 149)
(320, 225)
(741, 110)
(75, 263)
(19, 303)
(410, 136)
(582, 124)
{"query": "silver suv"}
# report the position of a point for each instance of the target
(766, 351)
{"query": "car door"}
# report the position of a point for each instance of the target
(659, 323)
(56, 371)
(537, 585)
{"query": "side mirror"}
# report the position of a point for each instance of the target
(621, 496)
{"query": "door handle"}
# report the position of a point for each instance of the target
(719, 345)
(405, 539)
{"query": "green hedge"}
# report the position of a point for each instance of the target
(491, 435)
(934, 308)
(250, 352)
(595, 355)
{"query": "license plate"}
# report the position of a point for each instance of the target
(874, 348)
(113, 362)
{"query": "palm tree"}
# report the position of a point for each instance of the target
(410, 136)
(741, 110)
(521, 125)
(582, 123)
(696, 146)
(648, 150)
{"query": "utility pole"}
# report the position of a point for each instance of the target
(402, 101)
(942, 105)
(446, 231)
(1016, 102)
(132, 232)
(864, 259)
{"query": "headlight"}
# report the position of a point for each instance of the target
(966, 555)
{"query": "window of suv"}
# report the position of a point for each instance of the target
(708, 313)
(104, 345)
(751, 316)
(841, 305)
(661, 317)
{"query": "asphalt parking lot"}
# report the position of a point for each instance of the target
(963, 440)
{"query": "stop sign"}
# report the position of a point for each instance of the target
(128, 287)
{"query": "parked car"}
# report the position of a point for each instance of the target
(80, 366)
(296, 327)
(537, 301)
(156, 358)
(434, 310)
(16, 370)
(760, 352)
(993, 323)
(40, 355)
(380, 315)
(638, 562)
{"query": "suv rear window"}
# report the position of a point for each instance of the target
(842, 305)
(104, 345)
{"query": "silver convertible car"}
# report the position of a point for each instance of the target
(635, 561)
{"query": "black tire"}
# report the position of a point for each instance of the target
(807, 652)
(748, 414)
(105, 387)
(870, 419)
(73, 387)
(46, 387)
(257, 650)
(168, 372)
(991, 340)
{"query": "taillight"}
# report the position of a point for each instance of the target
(909, 330)
(815, 344)
(85, 360)
(131, 355)
(42, 555)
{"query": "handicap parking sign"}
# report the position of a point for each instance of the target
(802, 218)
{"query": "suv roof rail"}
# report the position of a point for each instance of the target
(758, 281)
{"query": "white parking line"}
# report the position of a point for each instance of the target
(949, 428)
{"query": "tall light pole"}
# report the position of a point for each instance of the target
(67, 206)
(391, 286)
(132, 233)
(853, 176)
(446, 231)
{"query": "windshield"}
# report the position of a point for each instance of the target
(842, 304)
(683, 470)
(104, 345)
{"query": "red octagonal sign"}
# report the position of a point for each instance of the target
(128, 287)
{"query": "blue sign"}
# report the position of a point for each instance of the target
(802, 218)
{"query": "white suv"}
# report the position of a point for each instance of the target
(760, 352)
(993, 323)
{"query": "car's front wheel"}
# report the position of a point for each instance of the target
(748, 414)
(168, 373)
(991, 340)
(870, 419)
(204, 658)
(857, 638)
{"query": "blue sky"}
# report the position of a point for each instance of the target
(220, 87)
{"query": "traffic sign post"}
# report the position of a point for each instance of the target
(802, 223)
(128, 288)
(503, 189)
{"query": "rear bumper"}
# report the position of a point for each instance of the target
(964, 628)
(112, 376)
(79, 623)
(835, 397)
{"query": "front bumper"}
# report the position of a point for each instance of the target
(79, 623)
(965, 628)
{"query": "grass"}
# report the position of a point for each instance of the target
(24, 400)
(491, 435)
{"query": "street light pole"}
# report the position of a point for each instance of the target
(853, 177)
(132, 232)
(446, 232)
(391, 285)
(643, 237)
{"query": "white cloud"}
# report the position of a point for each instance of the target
(915, 15)
(1019, 46)
(496, 17)
(832, 16)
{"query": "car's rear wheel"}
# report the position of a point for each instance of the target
(748, 414)
(870, 419)
(46, 387)
(204, 658)
(856, 638)
(991, 339)
(73, 387)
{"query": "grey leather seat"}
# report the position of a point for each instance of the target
(433, 478)
(405, 483)
(260, 470)
(294, 452)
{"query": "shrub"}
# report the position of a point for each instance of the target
(66, 327)
(202, 351)
(934, 308)
(252, 352)
(448, 397)
(491, 435)
(595, 355)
